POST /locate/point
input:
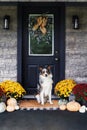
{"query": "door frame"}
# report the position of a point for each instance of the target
(20, 8)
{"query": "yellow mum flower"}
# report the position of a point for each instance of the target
(12, 88)
(64, 88)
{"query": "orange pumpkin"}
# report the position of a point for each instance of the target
(73, 106)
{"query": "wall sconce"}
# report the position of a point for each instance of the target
(75, 22)
(6, 21)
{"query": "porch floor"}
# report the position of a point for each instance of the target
(43, 120)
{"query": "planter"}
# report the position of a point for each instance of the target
(62, 101)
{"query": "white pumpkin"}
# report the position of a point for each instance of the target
(82, 109)
(2, 107)
(11, 102)
(10, 108)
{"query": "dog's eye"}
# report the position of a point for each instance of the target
(48, 71)
(43, 72)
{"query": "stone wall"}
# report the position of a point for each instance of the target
(76, 45)
(8, 44)
(75, 51)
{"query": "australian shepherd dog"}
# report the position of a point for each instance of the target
(45, 85)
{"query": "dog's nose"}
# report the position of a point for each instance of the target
(46, 75)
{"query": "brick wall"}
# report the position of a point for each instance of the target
(76, 45)
(8, 44)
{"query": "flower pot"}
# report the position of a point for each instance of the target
(62, 101)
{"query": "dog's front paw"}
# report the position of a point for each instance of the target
(38, 98)
(42, 103)
(51, 102)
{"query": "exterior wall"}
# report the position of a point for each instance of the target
(76, 45)
(8, 44)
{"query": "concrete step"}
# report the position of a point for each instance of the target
(33, 97)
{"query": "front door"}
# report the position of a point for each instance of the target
(43, 44)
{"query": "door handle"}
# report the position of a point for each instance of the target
(56, 59)
(56, 52)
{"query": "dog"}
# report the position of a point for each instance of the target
(45, 85)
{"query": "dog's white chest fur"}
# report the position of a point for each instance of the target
(46, 84)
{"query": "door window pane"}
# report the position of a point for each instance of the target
(41, 34)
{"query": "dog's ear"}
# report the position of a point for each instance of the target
(40, 68)
(49, 67)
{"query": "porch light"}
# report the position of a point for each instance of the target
(75, 22)
(6, 21)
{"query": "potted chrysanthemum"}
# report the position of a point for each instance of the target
(2, 96)
(2, 101)
(80, 92)
(12, 89)
(64, 88)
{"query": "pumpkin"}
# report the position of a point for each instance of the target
(10, 108)
(82, 109)
(62, 107)
(73, 106)
(16, 107)
(2, 107)
(11, 102)
(12, 105)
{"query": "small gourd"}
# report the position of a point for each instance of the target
(11, 101)
(10, 108)
(62, 107)
(16, 107)
(82, 109)
(73, 106)
(12, 105)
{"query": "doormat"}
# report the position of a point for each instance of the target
(34, 105)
